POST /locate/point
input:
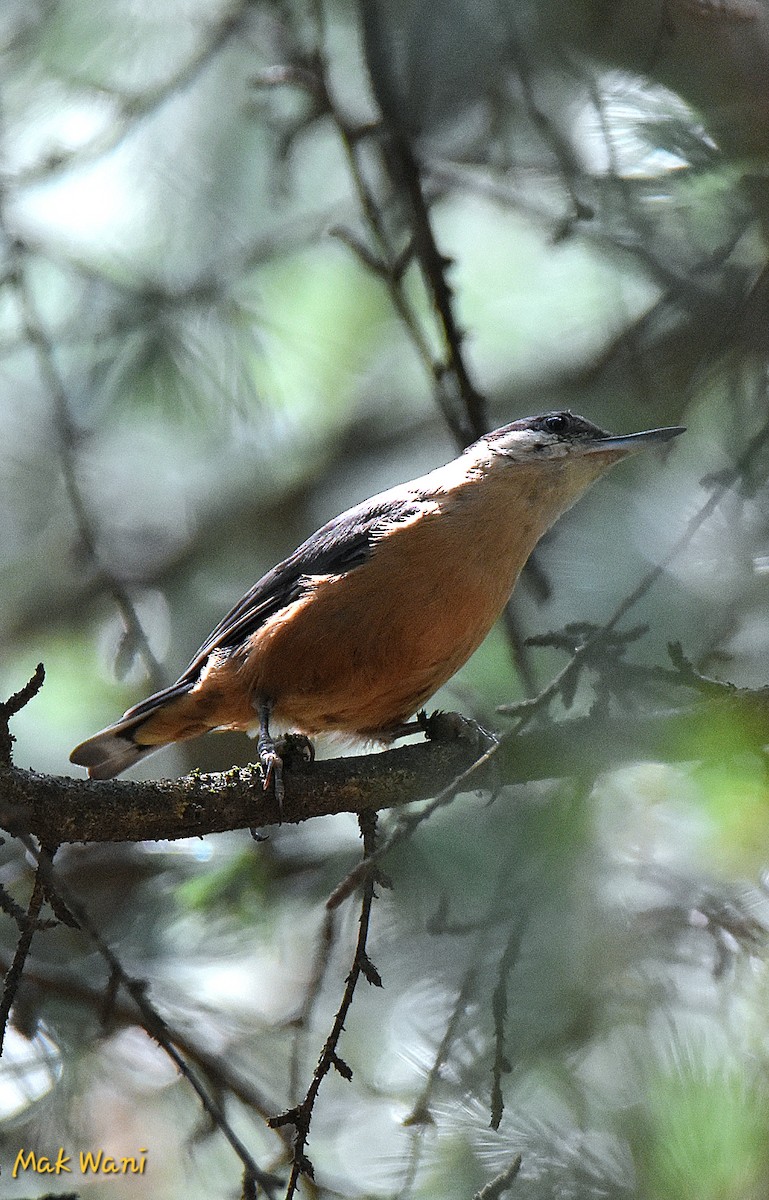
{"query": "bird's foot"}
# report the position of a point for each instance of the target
(295, 747)
(271, 764)
(277, 753)
(453, 727)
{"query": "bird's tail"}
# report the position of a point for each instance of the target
(110, 751)
(144, 728)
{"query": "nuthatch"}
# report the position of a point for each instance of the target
(356, 629)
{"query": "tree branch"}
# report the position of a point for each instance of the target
(59, 809)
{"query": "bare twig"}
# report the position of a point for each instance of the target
(28, 922)
(501, 1064)
(14, 704)
(14, 973)
(469, 422)
(434, 264)
(500, 1183)
(21, 915)
(300, 1116)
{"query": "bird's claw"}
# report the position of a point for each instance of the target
(271, 765)
(453, 727)
(294, 747)
(274, 754)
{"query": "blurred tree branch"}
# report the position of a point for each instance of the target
(134, 640)
(121, 1013)
(47, 880)
(133, 107)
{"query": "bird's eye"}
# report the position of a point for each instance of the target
(558, 423)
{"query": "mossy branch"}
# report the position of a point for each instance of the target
(59, 809)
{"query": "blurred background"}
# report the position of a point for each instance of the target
(215, 335)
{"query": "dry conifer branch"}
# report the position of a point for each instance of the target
(301, 1115)
(434, 267)
(392, 263)
(14, 704)
(16, 969)
(501, 1064)
(20, 915)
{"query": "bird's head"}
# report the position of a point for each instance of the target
(560, 436)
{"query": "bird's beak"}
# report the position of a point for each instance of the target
(634, 441)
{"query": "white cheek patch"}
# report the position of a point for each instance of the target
(557, 450)
(528, 445)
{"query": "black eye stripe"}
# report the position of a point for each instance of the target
(563, 424)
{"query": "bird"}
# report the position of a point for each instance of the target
(353, 632)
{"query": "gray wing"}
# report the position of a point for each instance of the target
(337, 547)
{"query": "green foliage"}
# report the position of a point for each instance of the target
(703, 1130)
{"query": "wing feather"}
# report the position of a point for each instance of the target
(337, 547)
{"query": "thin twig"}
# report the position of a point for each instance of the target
(14, 973)
(419, 1119)
(311, 73)
(21, 915)
(407, 823)
(434, 266)
(13, 705)
(300, 1116)
(28, 922)
(501, 1064)
(500, 1183)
